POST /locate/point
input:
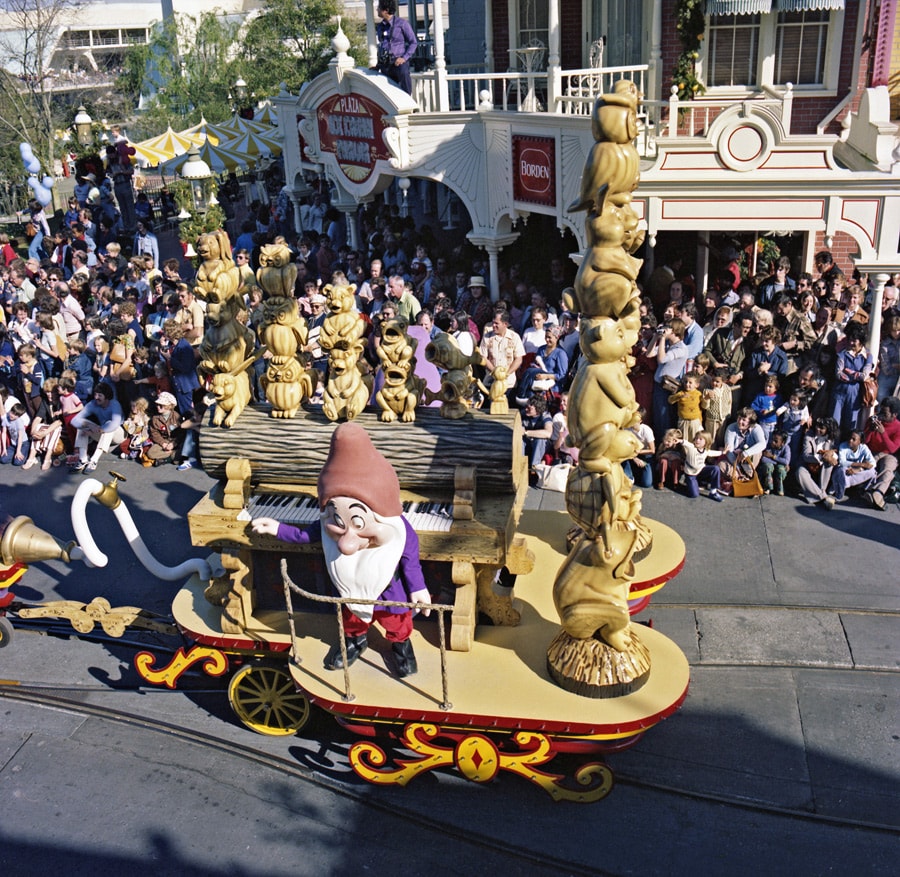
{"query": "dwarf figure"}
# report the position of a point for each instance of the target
(371, 550)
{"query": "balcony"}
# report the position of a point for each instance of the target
(571, 94)
(118, 38)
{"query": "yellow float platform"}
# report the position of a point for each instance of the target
(503, 682)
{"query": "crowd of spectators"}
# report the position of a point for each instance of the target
(776, 372)
(752, 367)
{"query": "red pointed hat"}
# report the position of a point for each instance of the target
(356, 468)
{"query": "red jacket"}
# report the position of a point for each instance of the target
(887, 442)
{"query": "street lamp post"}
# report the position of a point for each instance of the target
(241, 97)
(84, 127)
(199, 176)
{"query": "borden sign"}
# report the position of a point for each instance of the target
(351, 128)
(534, 170)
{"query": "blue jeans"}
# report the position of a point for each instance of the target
(35, 250)
(709, 475)
(535, 450)
(189, 445)
(642, 476)
(10, 455)
(662, 411)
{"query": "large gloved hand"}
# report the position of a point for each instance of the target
(265, 526)
(421, 597)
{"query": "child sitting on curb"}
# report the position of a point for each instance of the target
(773, 466)
(669, 458)
(697, 470)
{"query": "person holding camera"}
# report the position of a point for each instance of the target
(671, 358)
(396, 45)
(882, 436)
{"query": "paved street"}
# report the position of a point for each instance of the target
(783, 758)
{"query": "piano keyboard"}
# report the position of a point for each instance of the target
(434, 517)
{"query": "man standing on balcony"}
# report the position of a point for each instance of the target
(396, 45)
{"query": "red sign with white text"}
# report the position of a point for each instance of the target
(351, 128)
(534, 169)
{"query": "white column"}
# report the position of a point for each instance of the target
(442, 95)
(492, 243)
(881, 279)
(654, 85)
(370, 33)
(554, 78)
(702, 266)
(494, 268)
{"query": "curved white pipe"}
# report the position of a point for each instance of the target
(93, 556)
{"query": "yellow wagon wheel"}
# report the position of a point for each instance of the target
(265, 699)
(6, 632)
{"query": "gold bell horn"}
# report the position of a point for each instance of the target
(24, 542)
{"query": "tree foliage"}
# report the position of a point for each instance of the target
(191, 64)
(290, 42)
(27, 109)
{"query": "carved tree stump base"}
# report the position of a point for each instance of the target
(591, 668)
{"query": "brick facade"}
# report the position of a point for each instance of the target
(500, 20)
(807, 112)
(571, 36)
(842, 248)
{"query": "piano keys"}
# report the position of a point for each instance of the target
(301, 510)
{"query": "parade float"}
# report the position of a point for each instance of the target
(530, 648)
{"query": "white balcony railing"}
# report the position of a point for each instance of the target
(470, 88)
(580, 88)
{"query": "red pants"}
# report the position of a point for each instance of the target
(397, 627)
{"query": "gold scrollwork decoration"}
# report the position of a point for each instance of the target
(479, 759)
(215, 663)
(83, 617)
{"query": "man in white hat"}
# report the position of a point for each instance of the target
(371, 550)
(476, 302)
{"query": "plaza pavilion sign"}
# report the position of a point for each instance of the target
(351, 128)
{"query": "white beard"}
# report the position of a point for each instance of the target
(366, 574)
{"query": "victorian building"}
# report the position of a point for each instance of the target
(759, 119)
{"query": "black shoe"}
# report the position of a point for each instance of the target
(405, 658)
(356, 645)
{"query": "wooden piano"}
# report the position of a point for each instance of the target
(463, 484)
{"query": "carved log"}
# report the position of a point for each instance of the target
(425, 454)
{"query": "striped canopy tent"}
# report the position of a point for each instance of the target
(266, 114)
(254, 146)
(147, 156)
(219, 158)
(239, 125)
(215, 134)
(169, 143)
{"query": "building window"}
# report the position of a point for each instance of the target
(747, 52)
(733, 48)
(800, 42)
(533, 22)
